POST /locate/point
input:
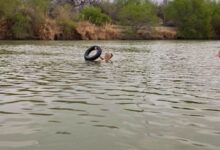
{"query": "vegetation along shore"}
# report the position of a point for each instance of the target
(108, 20)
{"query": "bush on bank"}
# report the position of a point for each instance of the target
(215, 21)
(65, 20)
(28, 19)
(138, 14)
(195, 19)
(94, 15)
(23, 17)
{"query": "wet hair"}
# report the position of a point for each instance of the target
(112, 55)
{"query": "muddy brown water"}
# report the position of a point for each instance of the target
(155, 95)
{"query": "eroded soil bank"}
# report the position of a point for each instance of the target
(49, 30)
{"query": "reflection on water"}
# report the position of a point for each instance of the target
(155, 95)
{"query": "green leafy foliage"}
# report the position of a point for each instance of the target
(8, 8)
(40, 7)
(137, 14)
(65, 19)
(215, 22)
(21, 26)
(110, 9)
(195, 19)
(94, 15)
(192, 17)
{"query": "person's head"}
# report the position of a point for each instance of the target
(108, 56)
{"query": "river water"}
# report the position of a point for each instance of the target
(155, 95)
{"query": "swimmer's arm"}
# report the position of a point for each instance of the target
(101, 58)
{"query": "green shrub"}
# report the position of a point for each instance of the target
(38, 10)
(8, 9)
(94, 15)
(67, 27)
(65, 19)
(138, 14)
(21, 26)
(40, 7)
(110, 9)
(215, 22)
(193, 18)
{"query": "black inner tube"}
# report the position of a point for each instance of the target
(93, 57)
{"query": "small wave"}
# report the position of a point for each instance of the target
(106, 126)
(8, 113)
(135, 110)
(190, 142)
(169, 101)
(184, 108)
(40, 114)
(92, 115)
(54, 121)
(17, 144)
(67, 109)
(209, 109)
(19, 101)
(126, 103)
(75, 102)
(193, 115)
(63, 132)
(9, 52)
(193, 102)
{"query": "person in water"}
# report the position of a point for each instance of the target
(107, 57)
(218, 55)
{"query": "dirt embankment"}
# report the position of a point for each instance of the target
(160, 33)
(49, 30)
(89, 31)
(43, 31)
(4, 29)
(148, 33)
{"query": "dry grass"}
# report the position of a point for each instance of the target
(47, 30)
(89, 31)
(157, 33)
(166, 32)
(50, 30)
(4, 27)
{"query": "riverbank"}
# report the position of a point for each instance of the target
(105, 20)
(85, 30)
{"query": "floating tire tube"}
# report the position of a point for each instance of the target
(95, 56)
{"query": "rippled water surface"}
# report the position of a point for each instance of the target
(155, 95)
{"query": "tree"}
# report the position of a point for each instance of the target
(64, 17)
(137, 13)
(94, 15)
(192, 17)
(215, 22)
(40, 7)
(7, 9)
(21, 27)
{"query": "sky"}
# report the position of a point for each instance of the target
(158, 1)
